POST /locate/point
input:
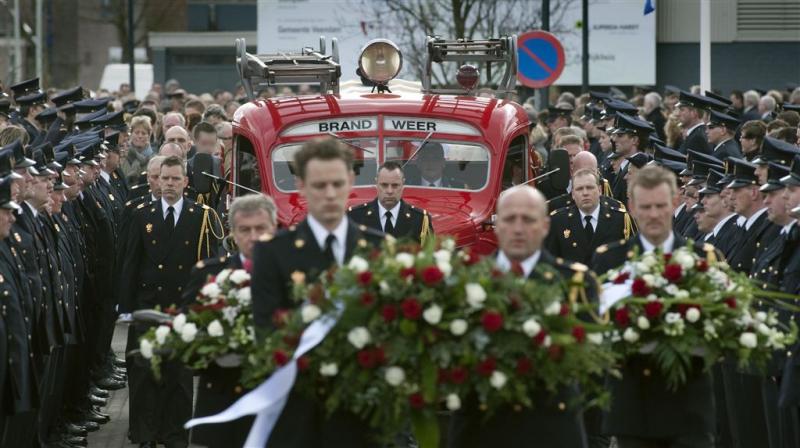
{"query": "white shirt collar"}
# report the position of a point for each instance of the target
(595, 217)
(741, 221)
(666, 246)
(624, 164)
(437, 183)
(528, 264)
(788, 227)
(153, 197)
(752, 219)
(721, 223)
(321, 234)
(178, 206)
(382, 213)
(105, 176)
(33, 209)
(720, 144)
(679, 209)
(694, 127)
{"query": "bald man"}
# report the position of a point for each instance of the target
(522, 226)
(585, 160)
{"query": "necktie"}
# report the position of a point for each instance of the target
(170, 220)
(388, 228)
(588, 227)
(328, 250)
(516, 269)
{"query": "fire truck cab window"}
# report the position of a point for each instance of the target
(514, 170)
(439, 164)
(364, 163)
(247, 173)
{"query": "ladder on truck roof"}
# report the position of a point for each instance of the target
(502, 51)
(309, 66)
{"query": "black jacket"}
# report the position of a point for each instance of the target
(727, 149)
(567, 237)
(696, 141)
(728, 236)
(412, 222)
(752, 242)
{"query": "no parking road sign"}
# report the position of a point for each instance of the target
(540, 59)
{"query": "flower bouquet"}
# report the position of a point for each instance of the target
(679, 306)
(217, 328)
(420, 329)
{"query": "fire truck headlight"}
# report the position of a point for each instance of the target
(380, 61)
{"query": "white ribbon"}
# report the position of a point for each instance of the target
(613, 293)
(269, 398)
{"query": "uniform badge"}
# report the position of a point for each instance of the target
(567, 233)
(299, 244)
(17, 237)
(148, 228)
(58, 229)
(369, 212)
(408, 215)
(111, 196)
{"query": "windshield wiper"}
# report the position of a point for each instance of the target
(349, 143)
(427, 137)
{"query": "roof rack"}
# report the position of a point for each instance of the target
(502, 50)
(309, 66)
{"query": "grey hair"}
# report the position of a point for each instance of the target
(252, 203)
(768, 102)
(155, 160)
(176, 114)
(750, 98)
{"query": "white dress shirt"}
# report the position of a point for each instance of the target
(679, 209)
(666, 246)
(321, 234)
(528, 264)
(689, 131)
(752, 219)
(105, 176)
(722, 223)
(382, 214)
(436, 183)
(595, 216)
(178, 206)
(785, 230)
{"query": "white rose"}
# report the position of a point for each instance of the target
(643, 323)
(161, 334)
(442, 256)
(692, 314)
(215, 329)
(630, 335)
(405, 259)
(432, 315)
(230, 313)
(553, 309)
(358, 264)
(445, 267)
(244, 296)
(548, 341)
(239, 276)
(748, 339)
(449, 244)
(146, 349)
(476, 295)
(595, 338)
(453, 402)
(531, 327)
(309, 313)
(359, 337)
(188, 332)
(649, 279)
(764, 329)
(649, 260)
(761, 316)
(672, 318)
(394, 376)
(498, 379)
(458, 327)
(211, 290)
(385, 288)
(682, 294)
(328, 369)
(684, 259)
(178, 322)
(223, 275)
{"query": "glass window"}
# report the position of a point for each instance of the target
(441, 164)
(364, 163)
(247, 173)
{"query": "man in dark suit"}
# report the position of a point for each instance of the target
(206, 142)
(251, 217)
(630, 136)
(163, 243)
(522, 225)
(389, 213)
(725, 233)
(325, 177)
(690, 115)
(720, 131)
(576, 231)
(748, 202)
(644, 412)
(431, 163)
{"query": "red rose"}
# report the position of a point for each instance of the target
(524, 366)
(389, 313)
(374, 254)
(640, 288)
(379, 354)
(218, 305)
(367, 299)
(280, 357)
(303, 363)
(540, 337)
(701, 266)
(684, 307)
(673, 273)
(412, 310)
(442, 375)
(622, 317)
(291, 340)
(653, 309)
(364, 278)
(458, 375)
(667, 257)
(579, 333)
(408, 272)
(497, 273)
(432, 275)
(492, 321)
(731, 302)
(280, 317)
(621, 278)
(564, 311)
(486, 367)
(555, 352)
(366, 359)
(416, 401)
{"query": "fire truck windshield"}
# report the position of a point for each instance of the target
(365, 163)
(440, 164)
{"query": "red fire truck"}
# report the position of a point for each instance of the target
(484, 140)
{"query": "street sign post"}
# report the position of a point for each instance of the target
(541, 59)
